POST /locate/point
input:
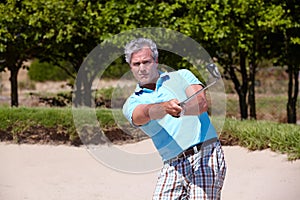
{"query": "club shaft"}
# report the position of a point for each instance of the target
(198, 92)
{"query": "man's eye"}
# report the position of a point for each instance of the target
(136, 64)
(145, 63)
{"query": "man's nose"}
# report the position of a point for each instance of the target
(142, 66)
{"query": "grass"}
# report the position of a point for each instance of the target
(258, 135)
(48, 117)
(39, 116)
(255, 135)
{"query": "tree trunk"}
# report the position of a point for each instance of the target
(14, 86)
(77, 100)
(241, 93)
(87, 93)
(251, 95)
(293, 88)
(83, 90)
(240, 88)
(244, 87)
(296, 91)
(243, 105)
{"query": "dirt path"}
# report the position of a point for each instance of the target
(62, 172)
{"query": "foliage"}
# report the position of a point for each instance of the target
(43, 71)
(238, 33)
(106, 93)
(51, 30)
(116, 70)
(18, 40)
(58, 100)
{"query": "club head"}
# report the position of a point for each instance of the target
(213, 70)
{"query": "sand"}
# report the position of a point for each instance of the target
(44, 172)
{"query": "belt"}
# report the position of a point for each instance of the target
(193, 149)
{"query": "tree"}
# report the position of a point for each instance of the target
(18, 41)
(284, 46)
(222, 32)
(51, 30)
(55, 30)
(74, 32)
(236, 32)
(291, 55)
(239, 33)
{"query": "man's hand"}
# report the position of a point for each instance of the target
(143, 113)
(172, 107)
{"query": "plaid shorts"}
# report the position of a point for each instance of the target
(199, 176)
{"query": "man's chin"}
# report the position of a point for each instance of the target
(143, 82)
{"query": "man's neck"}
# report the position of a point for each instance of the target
(150, 86)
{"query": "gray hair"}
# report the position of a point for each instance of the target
(137, 44)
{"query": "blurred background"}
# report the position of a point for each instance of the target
(256, 45)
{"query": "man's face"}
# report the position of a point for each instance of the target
(144, 67)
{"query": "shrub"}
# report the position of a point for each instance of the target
(43, 71)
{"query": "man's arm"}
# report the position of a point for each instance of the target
(197, 105)
(143, 113)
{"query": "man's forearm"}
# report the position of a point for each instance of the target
(146, 112)
(143, 113)
(196, 106)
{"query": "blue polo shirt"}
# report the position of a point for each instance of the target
(171, 135)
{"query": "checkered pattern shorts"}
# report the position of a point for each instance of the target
(199, 176)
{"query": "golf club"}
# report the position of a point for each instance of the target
(213, 70)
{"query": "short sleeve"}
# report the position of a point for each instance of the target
(189, 77)
(131, 103)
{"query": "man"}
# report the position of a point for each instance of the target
(194, 165)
